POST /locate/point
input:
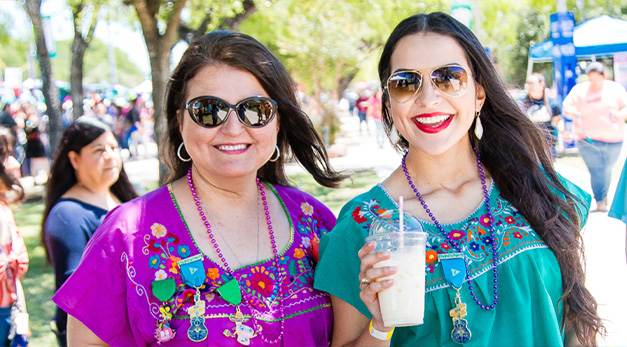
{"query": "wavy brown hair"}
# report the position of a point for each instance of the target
(297, 137)
(513, 144)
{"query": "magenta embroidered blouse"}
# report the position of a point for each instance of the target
(141, 241)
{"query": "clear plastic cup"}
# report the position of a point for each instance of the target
(403, 303)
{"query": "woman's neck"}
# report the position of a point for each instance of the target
(222, 191)
(97, 196)
(449, 169)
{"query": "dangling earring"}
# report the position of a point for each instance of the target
(278, 154)
(478, 126)
(178, 154)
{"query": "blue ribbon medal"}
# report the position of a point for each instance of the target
(192, 271)
(454, 269)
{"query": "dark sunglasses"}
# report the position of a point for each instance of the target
(450, 79)
(210, 111)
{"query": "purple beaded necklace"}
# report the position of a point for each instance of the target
(455, 244)
(275, 252)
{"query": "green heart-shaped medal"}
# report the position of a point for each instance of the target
(163, 289)
(230, 292)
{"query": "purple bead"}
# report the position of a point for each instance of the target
(483, 307)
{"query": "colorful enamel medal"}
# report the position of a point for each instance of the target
(242, 332)
(455, 272)
(163, 290)
(193, 274)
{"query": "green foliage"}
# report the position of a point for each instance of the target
(96, 64)
(532, 29)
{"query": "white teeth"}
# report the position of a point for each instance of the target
(432, 120)
(231, 148)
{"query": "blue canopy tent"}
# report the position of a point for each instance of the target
(600, 36)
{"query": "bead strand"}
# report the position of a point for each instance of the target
(275, 252)
(456, 245)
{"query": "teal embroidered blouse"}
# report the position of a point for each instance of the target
(529, 278)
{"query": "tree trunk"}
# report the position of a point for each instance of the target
(160, 66)
(76, 76)
(55, 127)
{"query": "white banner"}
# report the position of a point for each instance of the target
(620, 68)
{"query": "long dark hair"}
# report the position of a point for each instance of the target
(9, 181)
(62, 177)
(297, 136)
(517, 156)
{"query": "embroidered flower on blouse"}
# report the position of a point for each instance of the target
(357, 215)
(153, 262)
(517, 235)
(306, 242)
(510, 220)
(262, 283)
(213, 273)
(485, 220)
(299, 253)
(172, 264)
(473, 246)
(160, 275)
(158, 230)
(183, 251)
(445, 246)
(154, 246)
(456, 234)
(307, 209)
(432, 256)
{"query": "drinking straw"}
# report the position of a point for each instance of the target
(400, 214)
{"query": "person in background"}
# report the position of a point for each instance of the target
(134, 133)
(13, 253)
(479, 175)
(224, 253)
(598, 108)
(374, 112)
(361, 104)
(86, 181)
(541, 110)
(618, 209)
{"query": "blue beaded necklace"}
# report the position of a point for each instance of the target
(457, 245)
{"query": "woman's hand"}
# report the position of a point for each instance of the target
(373, 280)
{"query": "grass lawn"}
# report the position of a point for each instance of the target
(39, 281)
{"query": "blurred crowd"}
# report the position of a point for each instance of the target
(132, 120)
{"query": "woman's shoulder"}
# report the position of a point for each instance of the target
(296, 196)
(375, 196)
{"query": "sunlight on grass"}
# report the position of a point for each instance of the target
(39, 281)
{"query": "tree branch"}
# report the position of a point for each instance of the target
(234, 22)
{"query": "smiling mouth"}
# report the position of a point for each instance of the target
(232, 147)
(432, 121)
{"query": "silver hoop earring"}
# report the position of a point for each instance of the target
(278, 154)
(178, 154)
(478, 126)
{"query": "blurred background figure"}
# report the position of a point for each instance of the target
(598, 108)
(134, 125)
(362, 109)
(13, 253)
(542, 111)
(374, 113)
(36, 155)
(86, 181)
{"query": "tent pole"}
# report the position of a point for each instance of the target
(529, 66)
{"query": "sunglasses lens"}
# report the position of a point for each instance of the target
(256, 112)
(403, 85)
(209, 112)
(452, 80)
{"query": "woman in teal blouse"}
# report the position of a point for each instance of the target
(479, 175)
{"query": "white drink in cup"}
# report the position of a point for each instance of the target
(403, 303)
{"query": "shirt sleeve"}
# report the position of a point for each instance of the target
(96, 293)
(337, 272)
(65, 240)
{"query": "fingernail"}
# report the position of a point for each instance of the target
(392, 268)
(385, 253)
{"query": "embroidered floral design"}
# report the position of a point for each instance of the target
(213, 273)
(485, 220)
(160, 275)
(432, 256)
(183, 251)
(517, 235)
(172, 264)
(510, 220)
(456, 234)
(299, 253)
(154, 262)
(357, 215)
(307, 209)
(306, 242)
(262, 283)
(158, 230)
